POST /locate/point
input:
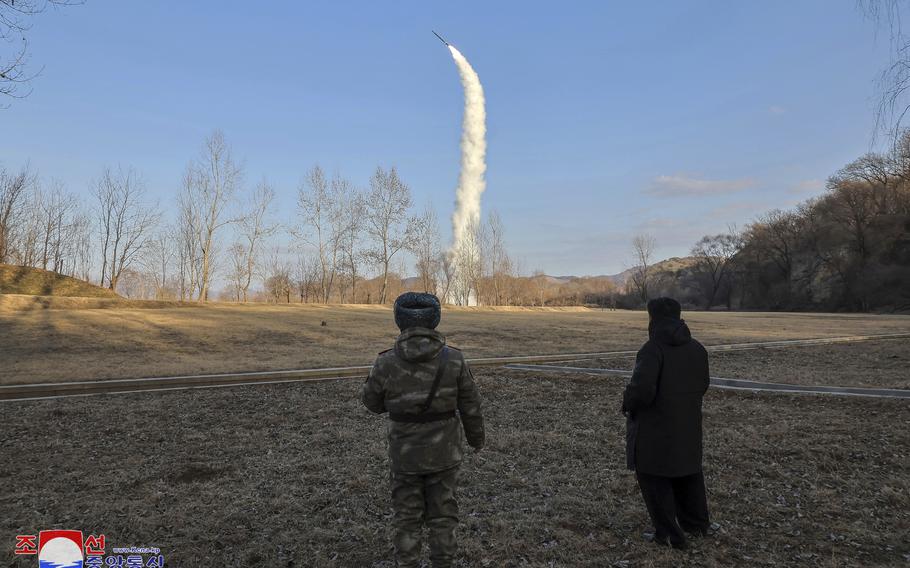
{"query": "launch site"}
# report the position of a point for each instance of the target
(466, 285)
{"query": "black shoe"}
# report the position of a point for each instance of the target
(696, 532)
(709, 530)
(683, 545)
(649, 536)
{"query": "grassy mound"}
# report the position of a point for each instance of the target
(36, 282)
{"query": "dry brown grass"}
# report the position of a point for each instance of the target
(35, 281)
(12, 303)
(296, 475)
(881, 363)
(79, 344)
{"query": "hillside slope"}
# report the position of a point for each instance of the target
(672, 265)
(36, 282)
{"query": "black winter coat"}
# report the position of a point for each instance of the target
(663, 402)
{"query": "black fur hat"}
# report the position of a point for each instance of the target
(659, 308)
(416, 309)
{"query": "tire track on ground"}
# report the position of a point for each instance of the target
(41, 391)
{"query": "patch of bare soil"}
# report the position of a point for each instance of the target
(296, 475)
(880, 363)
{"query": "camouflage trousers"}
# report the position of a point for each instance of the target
(419, 499)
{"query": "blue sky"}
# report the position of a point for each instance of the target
(605, 119)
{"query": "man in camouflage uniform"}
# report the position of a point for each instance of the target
(421, 383)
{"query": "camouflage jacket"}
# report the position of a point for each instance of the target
(401, 380)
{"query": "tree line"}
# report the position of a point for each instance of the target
(343, 244)
(847, 249)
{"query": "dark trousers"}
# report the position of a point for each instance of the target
(429, 500)
(677, 505)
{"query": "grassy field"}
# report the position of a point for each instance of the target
(296, 475)
(880, 363)
(78, 344)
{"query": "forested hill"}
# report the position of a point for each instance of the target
(847, 249)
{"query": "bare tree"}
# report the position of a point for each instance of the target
(47, 213)
(136, 285)
(46, 228)
(57, 207)
(882, 175)
(501, 266)
(255, 226)
(851, 205)
(125, 219)
(542, 287)
(187, 235)
(237, 273)
(70, 222)
(895, 78)
(307, 278)
(446, 264)
(15, 21)
(28, 233)
(467, 260)
(387, 219)
(427, 249)
(352, 216)
(81, 242)
(211, 182)
(778, 232)
(14, 191)
(643, 248)
(714, 257)
(323, 206)
(158, 261)
(278, 282)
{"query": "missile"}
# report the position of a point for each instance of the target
(440, 38)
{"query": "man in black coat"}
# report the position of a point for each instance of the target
(662, 403)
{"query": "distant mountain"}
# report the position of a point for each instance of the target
(669, 265)
(411, 282)
(674, 264)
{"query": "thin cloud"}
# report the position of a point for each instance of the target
(807, 186)
(776, 110)
(681, 186)
(732, 212)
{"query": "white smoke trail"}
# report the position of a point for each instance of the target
(471, 183)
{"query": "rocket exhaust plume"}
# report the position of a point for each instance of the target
(471, 183)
